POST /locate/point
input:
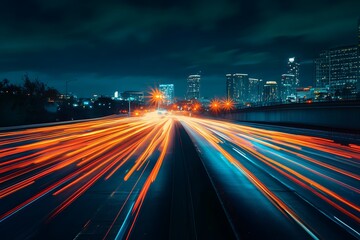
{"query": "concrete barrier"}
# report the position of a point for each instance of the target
(341, 115)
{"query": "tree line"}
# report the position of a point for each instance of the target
(26, 103)
(33, 88)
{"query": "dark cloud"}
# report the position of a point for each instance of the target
(313, 20)
(34, 25)
(119, 45)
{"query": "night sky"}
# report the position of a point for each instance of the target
(103, 46)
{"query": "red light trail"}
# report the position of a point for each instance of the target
(70, 159)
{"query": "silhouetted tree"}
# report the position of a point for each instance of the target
(14, 89)
(4, 84)
(35, 87)
(51, 93)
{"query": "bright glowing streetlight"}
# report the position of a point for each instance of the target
(156, 97)
(215, 105)
(196, 107)
(228, 104)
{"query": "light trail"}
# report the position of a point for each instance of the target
(89, 152)
(317, 168)
(68, 160)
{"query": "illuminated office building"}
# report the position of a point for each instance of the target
(270, 92)
(294, 69)
(167, 91)
(287, 86)
(237, 87)
(337, 70)
(255, 90)
(193, 87)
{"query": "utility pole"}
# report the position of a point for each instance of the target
(66, 95)
(159, 98)
(67, 112)
(66, 86)
(129, 105)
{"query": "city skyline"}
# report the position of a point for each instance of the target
(91, 52)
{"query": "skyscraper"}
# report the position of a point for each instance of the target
(358, 78)
(322, 70)
(359, 33)
(232, 88)
(337, 69)
(294, 69)
(255, 90)
(167, 91)
(237, 87)
(287, 86)
(243, 86)
(193, 87)
(270, 94)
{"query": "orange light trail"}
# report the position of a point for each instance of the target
(92, 150)
(67, 160)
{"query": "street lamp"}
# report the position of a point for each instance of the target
(158, 97)
(228, 104)
(66, 96)
(215, 105)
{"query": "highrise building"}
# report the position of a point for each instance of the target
(322, 70)
(270, 94)
(243, 86)
(232, 88)
(337, 69)
(255, 90)
(193, 87)
(359, 33)
(116, 94)
(237, 87)
(167, 91)
(358, 78)
(294, 69)
(287, 86)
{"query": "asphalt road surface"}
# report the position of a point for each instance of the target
(176, 177)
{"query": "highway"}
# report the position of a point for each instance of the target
(177, 177)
